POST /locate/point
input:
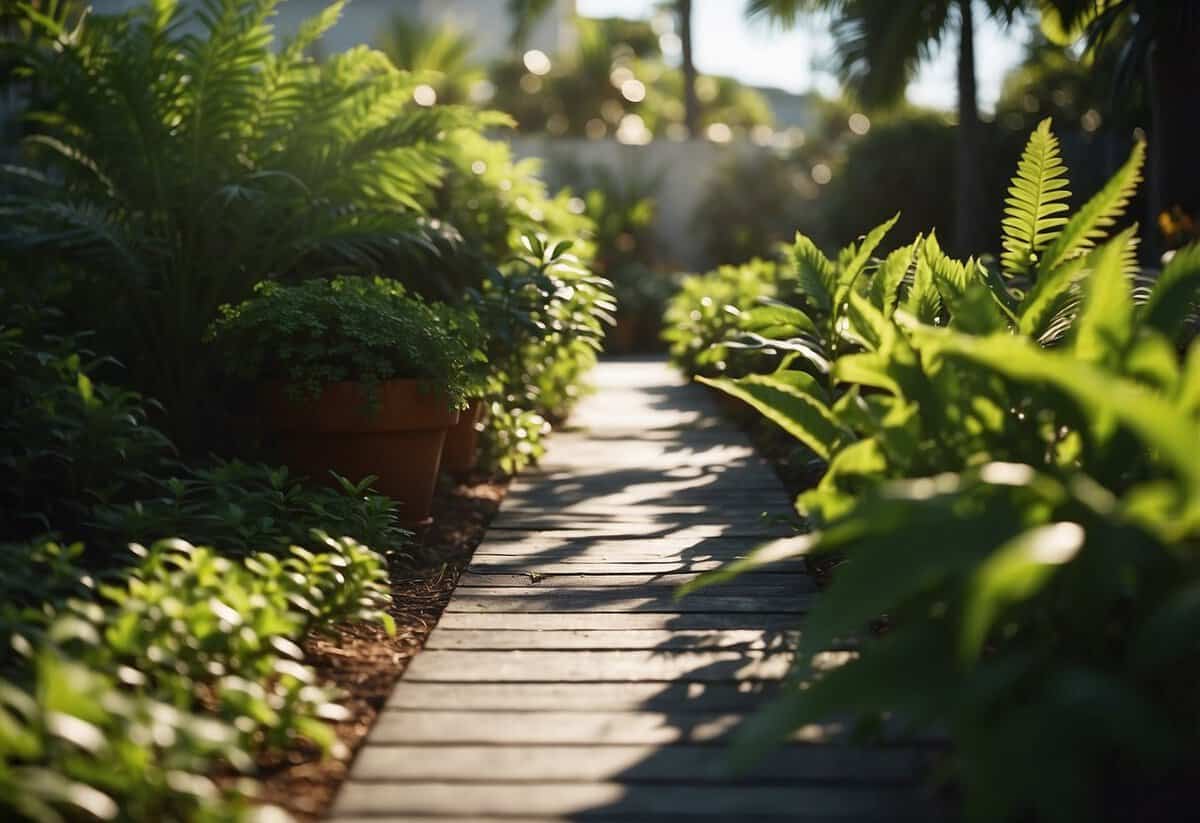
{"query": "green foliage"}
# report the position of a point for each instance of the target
(545, 315)
(319, 332)
(205, 651)
(182, 159)
(67, 441)
(707, 309)
(244, 507)
(1027, 519)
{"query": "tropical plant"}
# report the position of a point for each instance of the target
(182, 159)
(706, 312)
(440, 55)
(1025, 517)
(879, 47)
(355, 329)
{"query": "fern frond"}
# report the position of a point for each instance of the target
(1090, 223)
(1034, 202)
(892, 272)
(817, 278)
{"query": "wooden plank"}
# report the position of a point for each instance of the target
(588, 800)
(765, 583)
(499, 563)
(543, 763)
(601, 599)
(510, 728)
(675, 621)
(664, 639)
(679, 696)
(597, 666)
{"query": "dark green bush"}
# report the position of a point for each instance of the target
(67, 442)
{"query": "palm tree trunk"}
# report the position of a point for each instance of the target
(1174, 167)
(691, 105)
(968, 159)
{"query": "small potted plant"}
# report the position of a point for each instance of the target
(355, 376)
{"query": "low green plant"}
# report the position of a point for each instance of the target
(1012, 481)
(362, 330)
(78, 745)
(707, 309)
(68, 442)
(190, 662)
(244, 507)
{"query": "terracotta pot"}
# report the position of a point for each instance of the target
(461, 452)
(400, 442)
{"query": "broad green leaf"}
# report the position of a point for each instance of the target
(1090, 223)
(1173, 437)
(1104, 328)
(1188, 396)
(776, 319)
(799, 414)
(1014, 572)
(1175, 292)
(1035, 202)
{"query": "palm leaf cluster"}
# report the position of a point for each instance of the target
(182, 160)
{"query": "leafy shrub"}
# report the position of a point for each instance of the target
(67, 442)
(707, 309)
(244, 507)
(80, 746)
(251, 163)
(192, 661)
(355, 329)
(1026, 518)
(545, 316)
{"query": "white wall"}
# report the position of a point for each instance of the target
(684, 170)
(364, 22)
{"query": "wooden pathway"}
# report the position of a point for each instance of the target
(566, 682)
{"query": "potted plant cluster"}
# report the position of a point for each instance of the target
(357, 376)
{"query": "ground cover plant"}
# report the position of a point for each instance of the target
(1011, 478)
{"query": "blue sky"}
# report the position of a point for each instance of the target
(726, 43)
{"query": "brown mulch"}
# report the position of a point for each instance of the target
(364, 663)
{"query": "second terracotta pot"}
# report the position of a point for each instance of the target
(461, 452)
(399, 439)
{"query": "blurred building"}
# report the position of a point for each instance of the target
(487, 21)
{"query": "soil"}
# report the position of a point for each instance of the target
(364, 663)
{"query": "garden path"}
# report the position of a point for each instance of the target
(565, 681)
